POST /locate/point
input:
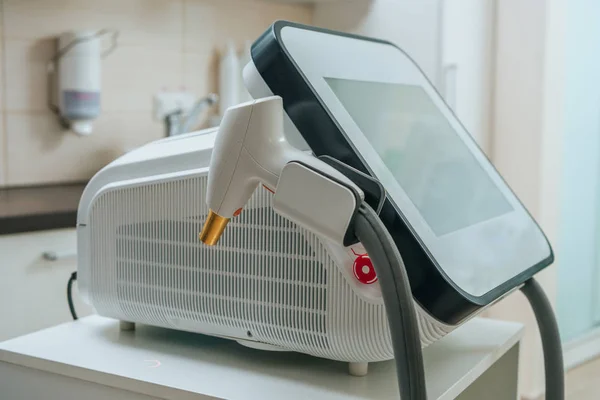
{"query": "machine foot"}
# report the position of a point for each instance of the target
(126, 326)
(358, 368)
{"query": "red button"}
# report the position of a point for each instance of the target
(363, 269)
(237, 212)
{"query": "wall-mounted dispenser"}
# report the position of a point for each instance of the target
(75, 75)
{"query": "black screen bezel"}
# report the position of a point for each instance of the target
(431, 288)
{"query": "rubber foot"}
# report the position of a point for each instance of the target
(126, 326)
(358, 368)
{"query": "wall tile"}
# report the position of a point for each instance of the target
(3, 160)
(218, 21)
(130, 75)
(156, 23)
(25, 65)
(2, 56)
(41, 151)
(199, 72)
(200, 24)
(163, 43)
(2, 95)
(210, 24)
(270, 12)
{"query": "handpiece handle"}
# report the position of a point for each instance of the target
(250, 149)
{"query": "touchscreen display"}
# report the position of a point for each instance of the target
(424, 153)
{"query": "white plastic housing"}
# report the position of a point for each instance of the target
(267, 281)
(258, 88)
(79, 79)
(251, 149)
(315, 201)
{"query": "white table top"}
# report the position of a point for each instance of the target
(178, 365)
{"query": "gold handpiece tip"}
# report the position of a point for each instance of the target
(213, 228)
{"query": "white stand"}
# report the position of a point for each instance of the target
(93, 359)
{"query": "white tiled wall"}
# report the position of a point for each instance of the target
(2, 96)
(162, 43)
(2, 150)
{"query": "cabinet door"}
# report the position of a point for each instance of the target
(32, 288)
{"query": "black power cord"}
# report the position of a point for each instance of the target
(401, 313)
(398, 300)
(72, 279)
(551, 343)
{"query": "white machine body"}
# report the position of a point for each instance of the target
(268, 283)
(79, 79)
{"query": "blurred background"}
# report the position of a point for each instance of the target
(522, 75)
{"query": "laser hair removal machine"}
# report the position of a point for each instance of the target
(346, 203)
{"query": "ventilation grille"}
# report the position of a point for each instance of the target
(266, 276)
(263, 277)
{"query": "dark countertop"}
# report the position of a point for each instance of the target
(26, 209)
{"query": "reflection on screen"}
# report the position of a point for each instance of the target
(424, 153)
